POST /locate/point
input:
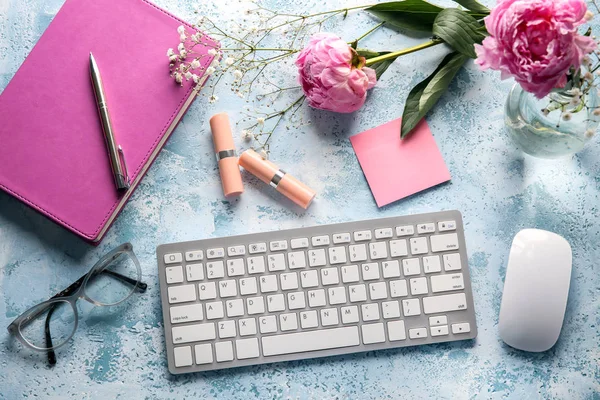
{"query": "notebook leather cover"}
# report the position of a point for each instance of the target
(52, 151)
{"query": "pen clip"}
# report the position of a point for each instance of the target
(124, 165)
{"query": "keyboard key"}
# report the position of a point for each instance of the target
(235, 267)
(358, 252)
(417, 333)
(301, 243)
(452, 262)
(215, 253)
(329, 316)
(362, 236)
(296, 300)
(193, 333)
(444, 303)
(440, 320)
(224, 351)
(406, 230)
(309, 279)
(190, 313)
(268, 324)
(247, 348)
(204, 354)
(308, 319)
(418, 286)
(411, 266)
(247, 326)
(398, 248)
(255, 305)
(182, 356)
(411, 307)
(172, 258)
(418, 246)
(463, 327)
(268, 283)
(349, 314)
(398, 288)
(310, 341)
(278, 245)
(316, 298)
(378, 250)
(357, 293)
(235, 308)
(446, 226)
(296, 260)
(391, 269)
(391, 309)
(194, 272)
(340, 238)
(441, 330)
(370, 312)
(181, 294)
(214, 310)
(288, 322)
(256, 265)
(373, 333)
(174, 274)
(276, 262)
(275, 302)
(289, 281)
(378, 290)
(256, 248)
(384, 233)
(425, 228)
(215, 269)
(207, 291)
(370, 271)
(248, 286)
(226, 329)
(431, 264)
(233, 251)
(320, 241)
(195, 255)
(337, 295)
(337, 255)
(350, 274)
(445, 242)
(316, 258)
(228, 288)
(396, 331)
(329, 276)
(447, 282)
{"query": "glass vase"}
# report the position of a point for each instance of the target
(557, 125)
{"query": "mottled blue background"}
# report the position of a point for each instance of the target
(498, 189)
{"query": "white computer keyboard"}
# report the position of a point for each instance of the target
(317, 291)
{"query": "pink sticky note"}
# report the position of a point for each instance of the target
(397, 168)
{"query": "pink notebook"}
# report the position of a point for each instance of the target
(52, 151)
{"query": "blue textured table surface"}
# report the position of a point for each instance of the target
(498, 189)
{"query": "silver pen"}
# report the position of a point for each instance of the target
(115, 152)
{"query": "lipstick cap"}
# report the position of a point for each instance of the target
(231, 178)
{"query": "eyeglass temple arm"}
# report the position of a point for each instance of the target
(141, 287)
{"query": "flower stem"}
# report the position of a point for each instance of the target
(396, 54)
(369, 32)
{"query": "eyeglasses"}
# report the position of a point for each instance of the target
(49, 325)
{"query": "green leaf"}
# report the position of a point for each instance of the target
(459, 30)
(423, 97)
(415, 15)
(473, 5)
(379, 67)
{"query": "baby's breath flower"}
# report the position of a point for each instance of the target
(588, 15)
(170, 53)
(545, 111)
(181, 29)
(212, 52)
(240, 95)
(195, 64)
(589, 133)
(596, 112)
(213, 99)
(260, 120)
(173, 58)
(237, 74)
(588, 76)
(188, 75)
(178, 77)
(210, 70)
(264, 154)
(246, 134)
(182, 37)
(181, 47)
(195, 78)
(183, 55)
(575, 100)
(567, 116)
(229, 61)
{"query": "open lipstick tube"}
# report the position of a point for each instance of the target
(231, 178)
(271, 174)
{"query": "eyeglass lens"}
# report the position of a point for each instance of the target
(113, 281)
(58, 318)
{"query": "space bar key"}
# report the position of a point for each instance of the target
(310, 341)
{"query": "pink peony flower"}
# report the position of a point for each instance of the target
(332, 75)
(535, 41)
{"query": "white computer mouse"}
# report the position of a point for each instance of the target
(535, 290)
